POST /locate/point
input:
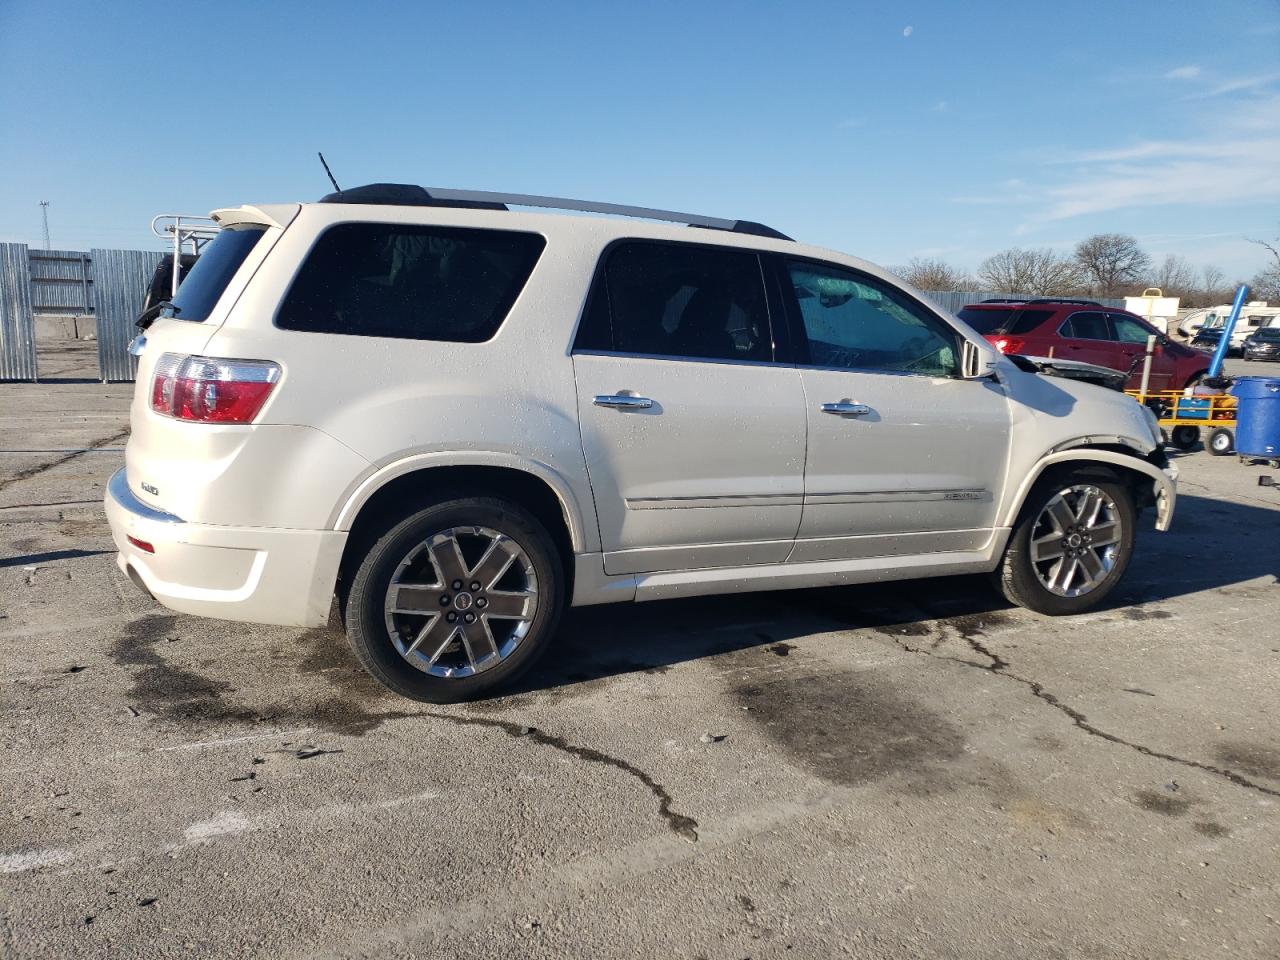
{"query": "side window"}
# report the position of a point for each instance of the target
(857, 322)
(1129, 330)
(410, 282)
(1086, 325)
(679, 300)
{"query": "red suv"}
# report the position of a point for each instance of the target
(1086, 331)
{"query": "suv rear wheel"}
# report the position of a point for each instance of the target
(1070, 547)
(455, 599)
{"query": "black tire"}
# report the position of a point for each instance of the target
(1018, 578)
(1185, 438)
(366, 611)
(1222, 442)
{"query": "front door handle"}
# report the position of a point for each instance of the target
(845, 408)
(622, 401)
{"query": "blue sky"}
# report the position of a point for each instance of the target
(888, 130)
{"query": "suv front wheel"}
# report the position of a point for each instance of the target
(455, 599)
(1071, 545)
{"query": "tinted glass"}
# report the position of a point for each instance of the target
(1028, 320)
(986, 321)
(1129, 330)
(222, 256)
(679, 300)
(409, 282)
(1087, 326)
(1268, 333)
(856, 322)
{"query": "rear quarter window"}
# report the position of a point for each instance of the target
(203, 286)
(410, 282)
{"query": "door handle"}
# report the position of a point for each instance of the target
(621, 401)
(846, 408)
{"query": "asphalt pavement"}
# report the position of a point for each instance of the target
(914, 770)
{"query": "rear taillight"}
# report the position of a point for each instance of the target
(1009, 344)
(210, 389)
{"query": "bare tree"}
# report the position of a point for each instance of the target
(1111, 262)
(1211, 280)
(929, 273)
(1176, 276)
(1266, 283)
(1041, 273)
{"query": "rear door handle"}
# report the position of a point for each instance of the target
(845, 408)
(621, 401)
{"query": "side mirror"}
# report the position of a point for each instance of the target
(973, 362)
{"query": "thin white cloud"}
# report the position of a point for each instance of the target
(1189, 72)
(941, 106)
(907, 31)
(850, 123)
(1242, 83)
(1248, 173)
(1228, 156)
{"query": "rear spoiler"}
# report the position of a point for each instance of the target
(278, 215)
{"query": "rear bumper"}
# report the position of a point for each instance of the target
(253, 574)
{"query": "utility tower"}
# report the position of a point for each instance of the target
(44, 212)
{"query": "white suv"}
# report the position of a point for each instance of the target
(457, 418)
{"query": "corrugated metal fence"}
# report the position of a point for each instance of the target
(120, 279)
(110, 284)
(17, 324)
(61, 282)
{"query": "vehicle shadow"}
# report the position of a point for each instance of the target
(1214, 544)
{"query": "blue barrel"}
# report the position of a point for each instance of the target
(1258, 416)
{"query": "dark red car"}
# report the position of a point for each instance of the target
(1086, 331)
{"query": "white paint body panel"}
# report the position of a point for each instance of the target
(734, 482)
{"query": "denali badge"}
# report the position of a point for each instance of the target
(148, 488)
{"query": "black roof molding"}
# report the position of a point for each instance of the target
(1083, 303)
(411, 195)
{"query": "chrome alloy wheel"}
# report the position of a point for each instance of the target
(1076, 540)
(461, 602)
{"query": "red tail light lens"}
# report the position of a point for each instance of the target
(1009, 344)
(210, 389)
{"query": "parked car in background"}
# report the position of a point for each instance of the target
(161, 286)
(1254, 316)
(459, 419)
(1263, 344)
(1083, 330)
(1190, 325)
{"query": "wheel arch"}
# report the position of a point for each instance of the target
(1152, 485)
(382, 498)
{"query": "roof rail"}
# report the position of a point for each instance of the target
(405, 194)
(1087, 303)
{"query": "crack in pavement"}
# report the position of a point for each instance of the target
(40, 468)
(679, 824)
(1000, 668)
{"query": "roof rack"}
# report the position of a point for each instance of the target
(406, 194)
(1087, 303)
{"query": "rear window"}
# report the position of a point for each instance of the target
(410, 282)
(1004, 319)
(200, 289)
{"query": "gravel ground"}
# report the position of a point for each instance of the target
(906, 771)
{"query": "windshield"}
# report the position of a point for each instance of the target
(1268, 334)
(218, 263)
